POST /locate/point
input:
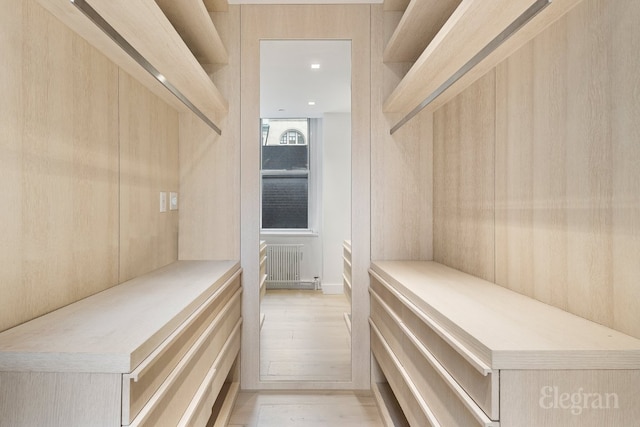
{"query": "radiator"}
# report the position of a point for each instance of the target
(283, 267)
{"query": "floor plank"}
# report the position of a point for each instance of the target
(305, 409)
(304, 337)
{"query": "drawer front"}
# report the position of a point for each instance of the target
(383, 293)
(346, 269)
(263, 264)
(169, 402)
(346, 286)
(446, 400)
(479, 382)
(388, 327)
(483, 389)
(199, 410)
(263, 271)
(346, 253)
(449, 402)
(142, 383)
(411, 406)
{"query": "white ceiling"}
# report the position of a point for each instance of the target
(288, 83)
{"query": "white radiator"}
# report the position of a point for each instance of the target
(283, 267)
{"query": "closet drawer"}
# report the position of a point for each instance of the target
(346, 268)
(346, 252)
(386, 295)
(450, 403)
(144, 381)
(446, 398)
(477, 380)
(199, 411)
(346, 283)
(482, 385)
(263, 259)
(415, 409)
(388, 326)
(169, 402)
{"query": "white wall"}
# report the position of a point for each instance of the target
(311, 265)
(331, 156)
(336, 197)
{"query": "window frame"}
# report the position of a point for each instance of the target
(313, 143)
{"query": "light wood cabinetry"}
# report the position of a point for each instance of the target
(192, 21)
(263, 268)
(144, 25)
(346, 273)
(458, 350)
(419, 24)
(153, 351)
(346, 278)
(428, 36)
(263, 276)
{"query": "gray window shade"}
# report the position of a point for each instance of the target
(285, 157)
(285, 201)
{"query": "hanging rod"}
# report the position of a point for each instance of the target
(95, 17)
(526, 16)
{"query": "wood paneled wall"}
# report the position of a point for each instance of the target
(402, 165)
(567, 181)
(59, 166)
(464, 140)
(209, 164)
(148, 165)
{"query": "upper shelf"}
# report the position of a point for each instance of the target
(216, 5)
(192, 21)
(395, 5)
(477, 37)
(420, 23)
(471, 27)
(143, 25)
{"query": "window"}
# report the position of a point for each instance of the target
(292, 137)
(285, 174)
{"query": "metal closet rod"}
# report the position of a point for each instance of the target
(528, 14)
(95, 17)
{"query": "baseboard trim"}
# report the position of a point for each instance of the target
(332, 288)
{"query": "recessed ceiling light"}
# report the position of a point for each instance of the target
(315, 66)
(312, 102)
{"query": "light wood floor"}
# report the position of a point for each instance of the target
(304, 337)
(304, 409)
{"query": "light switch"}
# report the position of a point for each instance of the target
(163, 201)
(173, 201)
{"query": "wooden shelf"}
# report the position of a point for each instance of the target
(114, 330)
(504, 329)
(192, 21)
(470, 28)
(146, 28)
(395, 5)
(216, 5)
(420, 23)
